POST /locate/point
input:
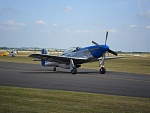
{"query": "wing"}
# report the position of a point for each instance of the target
(106, 58)
(60, 59)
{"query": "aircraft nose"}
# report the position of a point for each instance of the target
(105, 47)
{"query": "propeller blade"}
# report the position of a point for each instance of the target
(112, 52)
(106, 37)
(95, 43)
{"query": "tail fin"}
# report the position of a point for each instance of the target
(44, 51)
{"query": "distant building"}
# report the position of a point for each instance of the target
(137, 55)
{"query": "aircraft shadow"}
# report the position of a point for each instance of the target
(59, 72)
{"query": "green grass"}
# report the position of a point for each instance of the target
(25, 100)
(139, 65)
(19, 59)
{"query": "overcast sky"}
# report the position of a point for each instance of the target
(67, 23)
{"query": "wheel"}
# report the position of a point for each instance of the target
(54, 69)
(74, 71)
(102, 70)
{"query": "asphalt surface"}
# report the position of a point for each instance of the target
(86, 80)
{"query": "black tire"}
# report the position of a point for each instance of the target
(74, 71)
(54, 69)
(102, 70)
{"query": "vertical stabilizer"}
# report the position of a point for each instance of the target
(44, 51)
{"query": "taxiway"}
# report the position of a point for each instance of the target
(86, 80)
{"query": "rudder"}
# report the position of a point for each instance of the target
(43, 61)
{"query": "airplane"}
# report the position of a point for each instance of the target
(73, 57)
(13, 53)
(4, 54)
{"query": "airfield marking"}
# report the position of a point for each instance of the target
(78, 74)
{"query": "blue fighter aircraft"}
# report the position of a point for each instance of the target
(72, 58)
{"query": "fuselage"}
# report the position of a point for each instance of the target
(90, 51)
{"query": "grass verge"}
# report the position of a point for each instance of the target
(17, 100)
(140, 65)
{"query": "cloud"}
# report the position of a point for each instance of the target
(41, 22)
(55, 24)
(133, 27)
(13, 23)
(11, 28)
(67, 30)
(83, 31)
(148, 27)
(46, 31)
(113, 30)
(68, 9)
(10, 22)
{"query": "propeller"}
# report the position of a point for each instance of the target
(101, 62)
(112, 52)
(106, 37)
(95, 43)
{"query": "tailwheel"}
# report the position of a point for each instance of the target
(74, 70)
(54, 69)
(102, 70)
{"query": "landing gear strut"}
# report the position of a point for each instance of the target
(102, 70)
(73, 68)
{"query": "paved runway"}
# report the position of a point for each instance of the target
(86, 80)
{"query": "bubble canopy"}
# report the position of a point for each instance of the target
(71, 49)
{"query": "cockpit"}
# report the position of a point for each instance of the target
(71, 49)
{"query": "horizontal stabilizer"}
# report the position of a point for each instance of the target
(36, 59)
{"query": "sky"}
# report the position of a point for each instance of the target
(69, 23)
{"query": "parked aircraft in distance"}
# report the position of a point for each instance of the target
(4, 54)
(72, 58)
(12, 53)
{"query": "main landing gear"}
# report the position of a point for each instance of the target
(102, 70)
(54, 69)
(74, 70)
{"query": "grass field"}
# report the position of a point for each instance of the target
(139, 65)
(22, 100)
(27, 100)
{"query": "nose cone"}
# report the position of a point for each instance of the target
(105, 48)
